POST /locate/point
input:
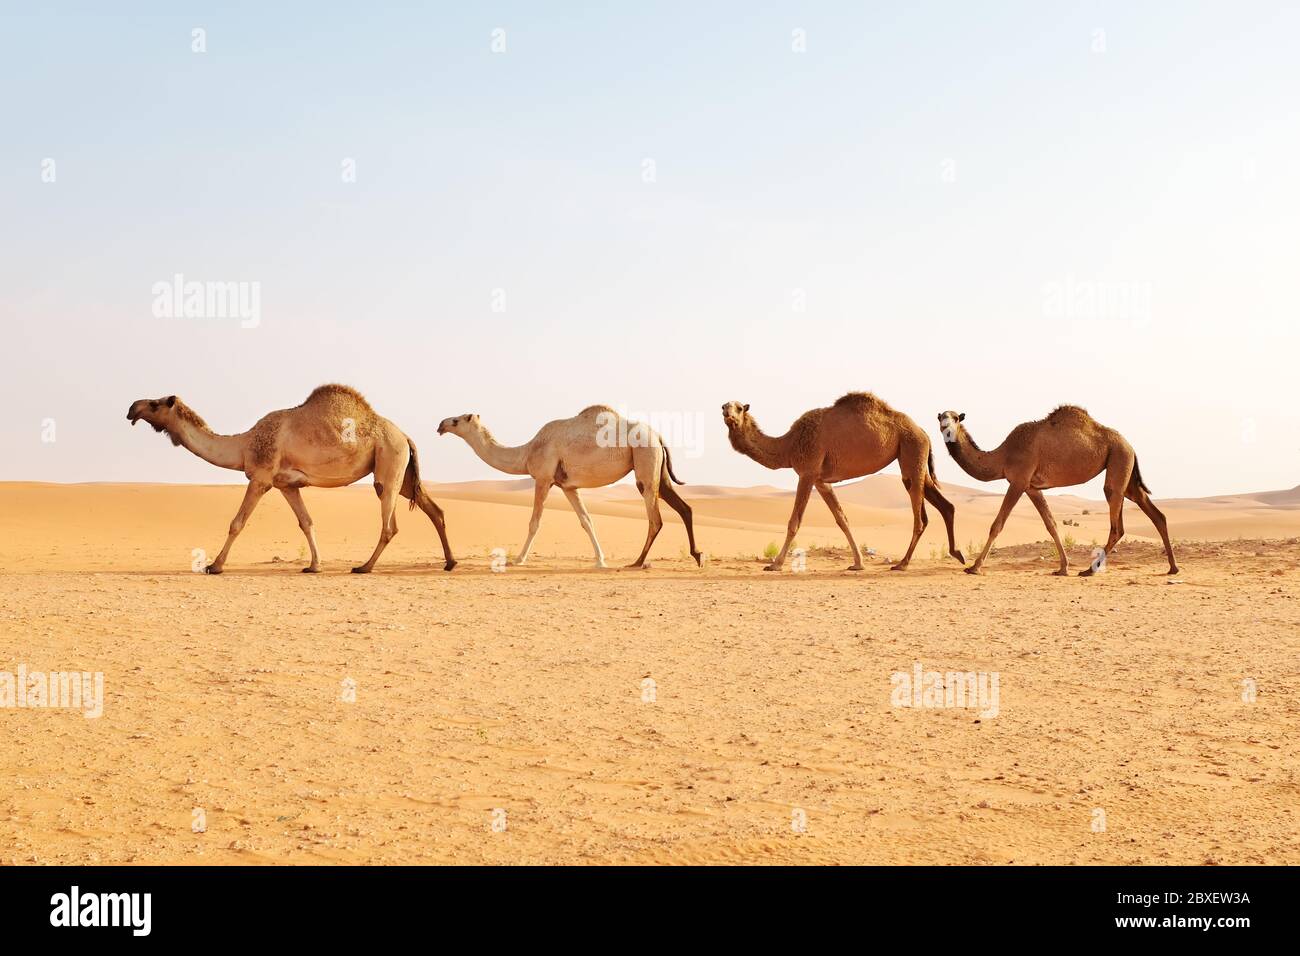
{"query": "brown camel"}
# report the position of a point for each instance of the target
(1068, 447)
(332, 439)
(858, 435)
(594, 448)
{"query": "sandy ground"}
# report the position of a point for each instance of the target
(558, 714)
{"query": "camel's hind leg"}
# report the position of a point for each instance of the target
(294, 497)
(796, 519)
(1040, 503)
(541, 488)
(1119, 472)
(1139, 497)
(675, 501)
(832, 502)
(1009, 502)
(915, 485)
(390, 466)
(648, 463)
(430, 507)
(252, 495)
(584, 519)
(948, 512)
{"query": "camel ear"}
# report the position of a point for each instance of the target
(961, 417)
(746, 408)
(171, 401)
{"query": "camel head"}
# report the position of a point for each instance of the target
(161, 413)
(736, 416)
(461, 425)
(950, 424)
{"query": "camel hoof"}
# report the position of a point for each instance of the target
(360, 570)
(899, 567)
(212, 569)
(311, 570)
(854, 567)
(772, 567)
(699, 560)
(1172, 571)
(449, 565)
(959, 556)
(636, 565)
(1086, 573)
(1062, 573)
(972, 570)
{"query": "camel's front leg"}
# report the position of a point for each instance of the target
(1040, 503)
(294, 497)
(584, 519)
(832, 502)
(1009, 502)
(796, 518)
(540, 490)
(252, 495)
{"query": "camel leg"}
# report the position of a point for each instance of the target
(430, 508)
(584, 519)
(1009, 502)
(294, 497)
(796, 518)
(948, 512)
(1119, 472)
(1040, 503)
(675, 501)
(1140, 498)
(915, 486)
(252, 495)
(390, 469)
(649, 463)
(540, 491)
(832, 502)
(387, 526)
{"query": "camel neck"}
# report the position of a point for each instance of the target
(224, 451)
(767, 451)
(979, 464)
(513, 461)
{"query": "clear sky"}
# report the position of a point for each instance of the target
(995, 208)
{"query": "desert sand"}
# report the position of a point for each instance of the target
(559, 714)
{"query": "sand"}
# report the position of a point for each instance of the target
(558, 714)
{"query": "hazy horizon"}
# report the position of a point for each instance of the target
(663, 209)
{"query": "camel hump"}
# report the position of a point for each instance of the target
(592, 410)
(335, 393)
(859, 400)
(1068, 414)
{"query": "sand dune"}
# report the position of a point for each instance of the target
(766, 733)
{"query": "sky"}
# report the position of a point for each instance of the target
(521, 209)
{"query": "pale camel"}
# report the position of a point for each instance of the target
(595, 448)
(1068, 447)
(332, 439)
(857, 436)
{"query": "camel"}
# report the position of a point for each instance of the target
(1068, 447)
(332, 439)
(594, 448)
(857, 436)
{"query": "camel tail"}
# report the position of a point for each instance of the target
(668, 463)
(1137, 476)
(933, 479)
(413, 475)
